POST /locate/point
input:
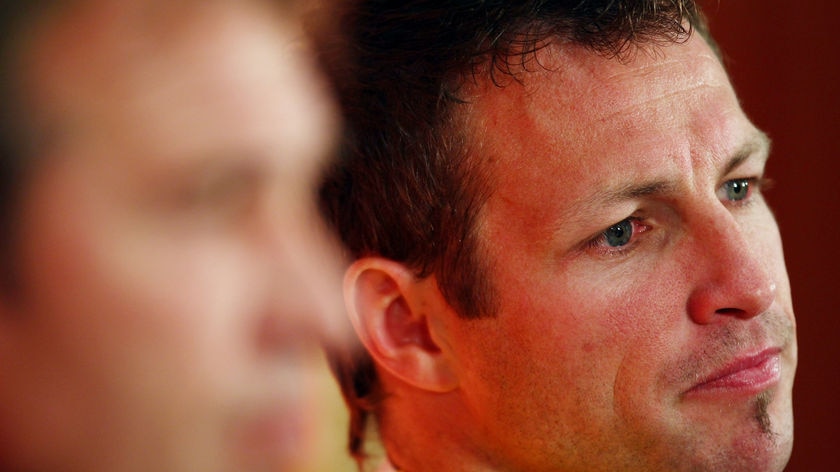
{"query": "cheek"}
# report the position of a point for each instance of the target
(623, 311)
(125, 332)
(128, 309)
(628, 326)
(574, 331)
(188, 297)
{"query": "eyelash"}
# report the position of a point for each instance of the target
(598, 243)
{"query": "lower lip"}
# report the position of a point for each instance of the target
(750, 380)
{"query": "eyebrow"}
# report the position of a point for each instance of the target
(759, 144)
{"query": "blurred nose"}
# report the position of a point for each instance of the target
(730, 277)
(305, 276)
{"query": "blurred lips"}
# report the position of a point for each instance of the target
(274, 435)
(747, 375)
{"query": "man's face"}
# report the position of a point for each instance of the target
(173, 278)
(645, 319)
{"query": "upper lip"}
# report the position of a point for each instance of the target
(742, 362)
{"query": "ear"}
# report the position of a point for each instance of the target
(386, 302)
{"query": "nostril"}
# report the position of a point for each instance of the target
(739, 313)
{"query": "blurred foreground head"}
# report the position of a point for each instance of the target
(165, 279)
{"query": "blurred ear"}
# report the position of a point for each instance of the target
(385, 303)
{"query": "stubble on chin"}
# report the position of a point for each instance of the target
(762, 415)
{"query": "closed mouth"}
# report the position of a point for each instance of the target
(746, 374)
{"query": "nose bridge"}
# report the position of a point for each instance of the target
(730, 277)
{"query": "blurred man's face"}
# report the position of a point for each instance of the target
(644, 318)
(173, 276)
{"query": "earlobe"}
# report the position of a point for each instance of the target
(384, 301)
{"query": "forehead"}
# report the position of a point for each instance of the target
(178, 74)
(576, 105)
(576, 80)
(609, 86)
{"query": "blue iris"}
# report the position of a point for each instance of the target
(619, 234)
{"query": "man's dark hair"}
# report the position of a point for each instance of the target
(408, 187)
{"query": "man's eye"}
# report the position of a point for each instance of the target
(220, 195)
(619, 234)
(618, 239)
(736, 190)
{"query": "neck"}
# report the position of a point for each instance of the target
(424, 431)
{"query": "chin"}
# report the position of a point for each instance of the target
(767, 444)
(754, 436)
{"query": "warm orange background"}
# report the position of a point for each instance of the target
(784, 58)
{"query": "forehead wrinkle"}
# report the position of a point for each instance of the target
(648, 102)
(648, 96)
(582, 73)
(656, 61)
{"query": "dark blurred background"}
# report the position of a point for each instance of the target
(784, 59)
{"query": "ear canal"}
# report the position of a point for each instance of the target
(406, 329)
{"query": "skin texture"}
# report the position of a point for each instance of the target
(600, 357)
(175, 279)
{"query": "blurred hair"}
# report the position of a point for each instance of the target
(18, 143)
(408, 186)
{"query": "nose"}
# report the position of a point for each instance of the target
(730, 277)
(304, 275)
